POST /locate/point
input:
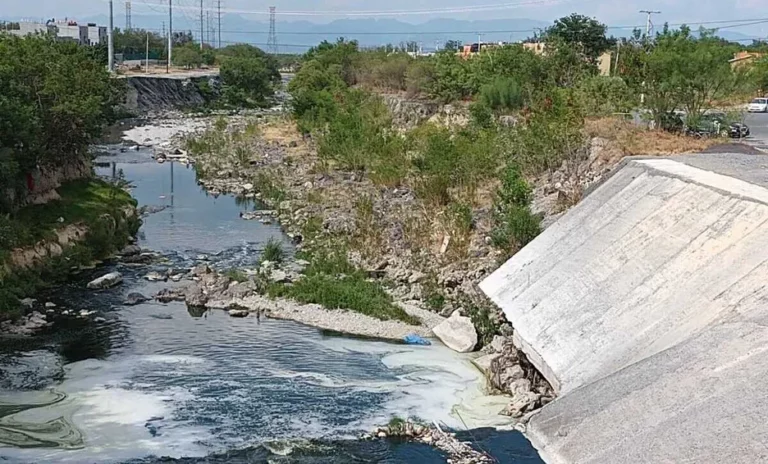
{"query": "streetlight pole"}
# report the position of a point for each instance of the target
(648, 23)
(170, 36)
(110, 40)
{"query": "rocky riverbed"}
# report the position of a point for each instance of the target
(136, 376)
(430, 270)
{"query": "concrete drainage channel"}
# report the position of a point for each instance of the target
(644, 307)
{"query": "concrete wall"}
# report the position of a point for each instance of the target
(159, 92)
(646, 308)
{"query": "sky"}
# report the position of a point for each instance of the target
(611, 12)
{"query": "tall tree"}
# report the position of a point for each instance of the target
(584, 33)
(682, 71)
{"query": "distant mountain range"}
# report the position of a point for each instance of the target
(298, 36)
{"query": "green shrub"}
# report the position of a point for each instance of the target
(601, 96)
(333, 282)
(481, 115)
(248, 75)
(236, 275)
(188, 56)
(359, 135)
(503, 94)
(419, 77)
(459, 162)
(552, 133)
(347, 292)
(484, 319)
(382, 70)
(514, 223)
(273, 251)
(270, 187)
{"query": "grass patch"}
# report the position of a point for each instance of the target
(82, 201)
(313, 228)
(270, 187)
(91, 202)
(333, 282)
(236, 274)
(273, 251)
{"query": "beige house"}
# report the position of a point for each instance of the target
(744, 58)
(603, 61)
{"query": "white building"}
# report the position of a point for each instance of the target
(89, 34)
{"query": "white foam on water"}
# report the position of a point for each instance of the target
(114, 416)
(434, 383)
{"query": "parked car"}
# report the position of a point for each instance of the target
(714, 124)
(758, 105)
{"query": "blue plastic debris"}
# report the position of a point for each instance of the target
(413, 339)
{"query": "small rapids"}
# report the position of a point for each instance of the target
(161, 383)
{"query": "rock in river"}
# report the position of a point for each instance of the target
(457, 332)
(156, 277)
(195, 297)
(134, 298)
(131, 250)
(106, 281)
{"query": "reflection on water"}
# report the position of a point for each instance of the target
(58, 432)
(192, 218)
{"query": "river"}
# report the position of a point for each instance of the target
(158, 380)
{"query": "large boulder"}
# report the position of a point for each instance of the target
(457, 332)
(195, 296)
(106, 281)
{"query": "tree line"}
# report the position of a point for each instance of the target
(547, 96)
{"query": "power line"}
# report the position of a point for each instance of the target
(475, 32)
(456, 9)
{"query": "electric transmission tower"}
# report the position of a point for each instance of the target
(128, 25)
(219, 25)
(272, 41)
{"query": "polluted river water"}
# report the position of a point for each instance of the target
(157, 380)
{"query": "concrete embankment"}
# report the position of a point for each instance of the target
(644, 306)
(147, 93)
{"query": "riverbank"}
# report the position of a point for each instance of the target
(389, 236)
(85, 221)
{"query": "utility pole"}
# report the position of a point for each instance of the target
(648, 23)
(219, 5)
(110, 39)
(202, 25)
(170, 36)
(128, 25)
(146, 69)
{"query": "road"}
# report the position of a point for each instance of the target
(758, 125)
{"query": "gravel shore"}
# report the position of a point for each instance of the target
(338, 320)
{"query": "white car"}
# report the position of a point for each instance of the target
(758, 105)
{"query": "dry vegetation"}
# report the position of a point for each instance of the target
(627, 139)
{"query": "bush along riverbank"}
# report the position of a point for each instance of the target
(54, 216)
(41, 245)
